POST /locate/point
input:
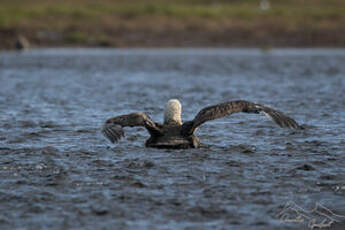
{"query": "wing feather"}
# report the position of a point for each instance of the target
(113, 132)
(278, 117)
(113, 127)
(228, 108)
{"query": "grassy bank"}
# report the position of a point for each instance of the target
(154, 23)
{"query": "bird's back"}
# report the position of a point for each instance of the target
(172, 138)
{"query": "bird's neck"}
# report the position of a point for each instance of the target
(172, 118)
(173, 122)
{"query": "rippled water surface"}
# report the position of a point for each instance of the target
(57, 171)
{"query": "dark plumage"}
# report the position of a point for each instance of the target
(175, 134)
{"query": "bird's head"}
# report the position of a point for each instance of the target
(172, 113)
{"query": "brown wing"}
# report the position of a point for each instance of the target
(228, 108)
(113, 127)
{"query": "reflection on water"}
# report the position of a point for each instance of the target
(55, 162)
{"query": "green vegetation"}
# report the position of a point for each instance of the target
(80, 20)
(14, 12)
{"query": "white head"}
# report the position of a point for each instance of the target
(172, 113)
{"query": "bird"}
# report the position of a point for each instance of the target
(175, 134)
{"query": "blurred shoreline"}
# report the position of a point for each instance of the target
(185, 38)
(190, 23)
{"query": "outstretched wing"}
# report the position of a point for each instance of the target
(228, 108)
(113, 127)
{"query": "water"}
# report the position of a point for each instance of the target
(57, 170)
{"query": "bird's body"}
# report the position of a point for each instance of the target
(173, 133)
(172, 138)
